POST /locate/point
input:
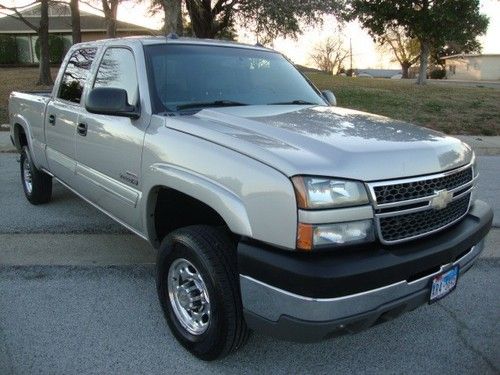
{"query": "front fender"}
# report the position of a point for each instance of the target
(227, 204)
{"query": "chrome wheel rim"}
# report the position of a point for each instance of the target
(27, 176)
(188, 296)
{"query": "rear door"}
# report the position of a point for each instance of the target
(61, 116)
(109, 153)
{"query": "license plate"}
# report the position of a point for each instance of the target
(443, 284)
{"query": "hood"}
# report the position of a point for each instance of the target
(327, 141)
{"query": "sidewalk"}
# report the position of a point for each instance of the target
(5, 143)
(482, 145)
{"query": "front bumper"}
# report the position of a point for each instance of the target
(307, 297)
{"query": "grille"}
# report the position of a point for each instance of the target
(422, 188)
(399, 227)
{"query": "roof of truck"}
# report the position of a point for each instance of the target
(151, 40)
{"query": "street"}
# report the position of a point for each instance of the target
(77, 295)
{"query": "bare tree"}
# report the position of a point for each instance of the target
(109, 8)
(406, 50)
(76, 30)
(329, 54)
(42, 30)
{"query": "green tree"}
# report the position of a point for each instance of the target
(434, 23)
(56, 48)
(267, 19)
(8, 49)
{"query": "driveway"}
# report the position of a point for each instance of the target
(77, 295)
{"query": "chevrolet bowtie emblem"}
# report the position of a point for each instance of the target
(441, 199)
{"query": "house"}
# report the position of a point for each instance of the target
(473, 67)
(93, 27)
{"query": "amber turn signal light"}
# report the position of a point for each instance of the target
(305, 237)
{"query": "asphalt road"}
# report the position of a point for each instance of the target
(77, 295)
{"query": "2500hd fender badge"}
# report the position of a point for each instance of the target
(130, 177)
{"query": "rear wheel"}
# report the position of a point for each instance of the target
(198, 288)
(37, 185)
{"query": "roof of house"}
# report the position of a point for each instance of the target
(462, 55)
(379, 73)
(62, 23)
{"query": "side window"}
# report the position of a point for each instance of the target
(117, 70)
(76, 73)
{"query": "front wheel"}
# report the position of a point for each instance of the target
(198, 288)
(37, 185)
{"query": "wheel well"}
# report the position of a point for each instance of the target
(173, 210)
(20, 136)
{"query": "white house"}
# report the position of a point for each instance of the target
(473, 67)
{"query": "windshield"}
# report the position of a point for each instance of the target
(194, 76)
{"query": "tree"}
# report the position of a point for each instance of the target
(109, 8)
(76, 30)
(172, 19)
(434, 23)
(271, 19)
(208, 21)
(42, 30)
(268, 19)
(406, 50)
(329, 54)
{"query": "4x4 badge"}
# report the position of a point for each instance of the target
(441, 200)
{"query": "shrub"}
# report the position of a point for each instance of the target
(438, 74)
(56, 49)
(8, 49)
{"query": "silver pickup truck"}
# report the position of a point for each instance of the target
(271, 208)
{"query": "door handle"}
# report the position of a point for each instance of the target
(82, 129)
(52, 119)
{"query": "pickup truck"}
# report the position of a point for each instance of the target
(271, 208)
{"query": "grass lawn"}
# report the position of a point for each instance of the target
(451, 109)
(448, 108)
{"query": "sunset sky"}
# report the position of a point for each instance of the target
(365, 52)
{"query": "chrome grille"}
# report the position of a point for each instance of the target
(394, 228)
(409, 208)
(422, 188)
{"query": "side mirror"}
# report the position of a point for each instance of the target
(329, 97)
(110, 101)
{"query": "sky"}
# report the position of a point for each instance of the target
(365, 52)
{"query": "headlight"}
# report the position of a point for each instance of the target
(321, 192)
(311, 236)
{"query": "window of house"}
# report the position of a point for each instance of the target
(117, 70)
(76, 74)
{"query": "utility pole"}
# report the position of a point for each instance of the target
(350, 53)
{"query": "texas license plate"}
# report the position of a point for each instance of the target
(443, 284)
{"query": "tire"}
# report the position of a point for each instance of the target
(37, 185)
(211, 253)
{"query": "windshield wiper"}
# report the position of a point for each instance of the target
(215, 103)
(293, 102)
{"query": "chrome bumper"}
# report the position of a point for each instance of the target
(271, 303)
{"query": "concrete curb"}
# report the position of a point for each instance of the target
(482, 145)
